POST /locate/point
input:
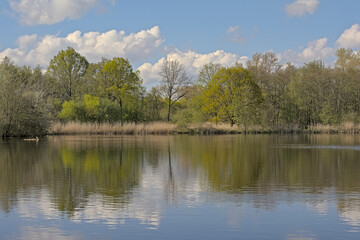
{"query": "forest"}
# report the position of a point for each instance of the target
(263, 92)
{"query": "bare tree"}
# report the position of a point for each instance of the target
(174, 82)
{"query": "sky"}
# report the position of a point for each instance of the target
(193, 32)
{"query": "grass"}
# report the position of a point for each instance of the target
(165, 128)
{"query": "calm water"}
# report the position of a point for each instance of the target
(181, 187)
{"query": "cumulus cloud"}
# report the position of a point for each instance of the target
(301, 7)
(350, 37)
(235, 35)
(33, 49)
(315, 50)
(192, 62)
(32, 12)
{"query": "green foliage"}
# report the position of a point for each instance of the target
(68, 112)
(266, 92)
(67, 69)
(115, 80)
(23, 109)
(189, 109)
(347, 59)
(93, 109)
(92, 105)
(153, 103)
(207, 72)
(232, 96)
(273, 80)
(308, 90)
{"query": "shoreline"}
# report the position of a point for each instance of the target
(165, 128)
(207, 128)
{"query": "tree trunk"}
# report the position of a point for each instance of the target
(169, 108)
(121, 112)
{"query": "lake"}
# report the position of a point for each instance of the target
(181, 187)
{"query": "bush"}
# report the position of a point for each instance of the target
(23, 111)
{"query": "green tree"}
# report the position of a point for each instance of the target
(94, 79)
(347, 59)
(90, 109)
(154, 103)
(232, 96)
(23, 111)
(118, 82)
(273, 81)
(68, 111)
(188, 109)
(67, 69)
(309, 90)
(347, 74)
(207, 72)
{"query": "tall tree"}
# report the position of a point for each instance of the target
(118, 82)
(232, 96)
(66, 69)
(347, 59)
(347, 72)
(309, 91)
(273, 81)
(207, 72)
(174, 82)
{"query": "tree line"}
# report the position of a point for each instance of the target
(263, 92)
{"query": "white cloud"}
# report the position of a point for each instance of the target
(350, 37)
(33, 49)
(27, 41)
(192, 62)
(32, 12)
(315, 50)
(235, 35)
(301, 7)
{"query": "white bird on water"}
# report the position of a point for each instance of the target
(36, 139)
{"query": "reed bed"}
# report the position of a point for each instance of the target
(165, 128)
(112, 128)
(212, 128)
(345, 127)
(142, 128)
(222, 128)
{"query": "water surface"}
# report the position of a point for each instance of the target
(181, 187)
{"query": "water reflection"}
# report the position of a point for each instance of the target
(349, 208)
(117, 180)
(36, 233)
(301, 236)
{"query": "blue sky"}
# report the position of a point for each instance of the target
(193, 32)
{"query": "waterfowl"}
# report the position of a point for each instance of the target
(36, 139)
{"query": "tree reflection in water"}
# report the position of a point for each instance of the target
(113, 179)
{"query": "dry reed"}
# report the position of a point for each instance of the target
(192, 128)
(112, 128)
(345, 127)
(212, 128)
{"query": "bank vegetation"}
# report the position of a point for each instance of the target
(74, 96)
